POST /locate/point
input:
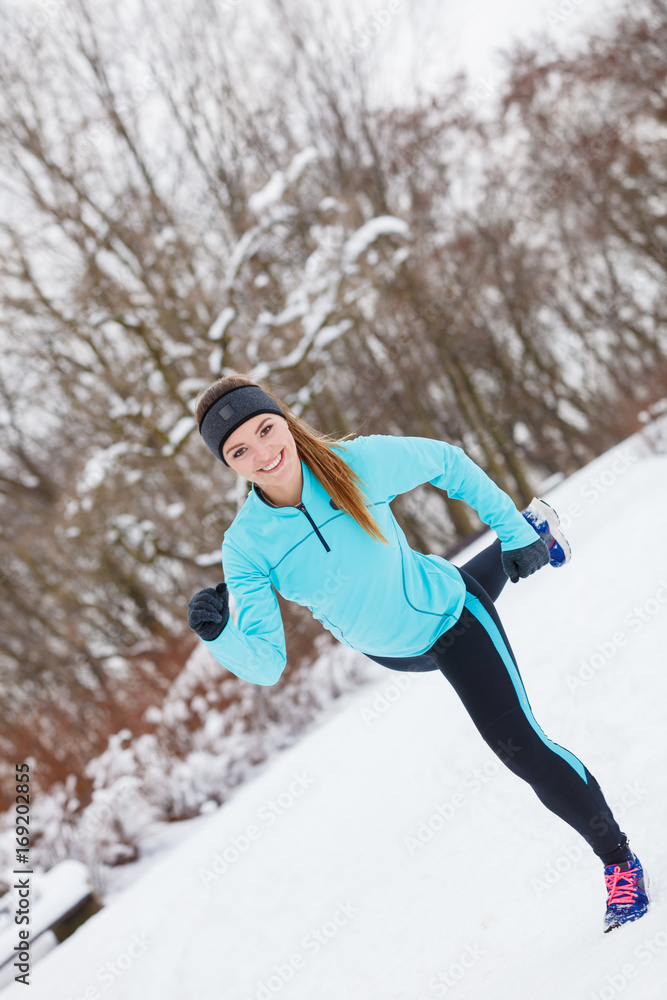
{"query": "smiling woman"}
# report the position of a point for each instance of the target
(232, 418)
(317, 527)
(264, 452)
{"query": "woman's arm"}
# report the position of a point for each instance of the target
(254, 647)
(398, 464)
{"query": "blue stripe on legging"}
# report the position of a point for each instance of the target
(476, 608)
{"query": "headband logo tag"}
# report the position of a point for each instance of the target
(225, 412)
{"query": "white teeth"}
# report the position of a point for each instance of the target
(267, 468)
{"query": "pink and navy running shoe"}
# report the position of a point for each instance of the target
(546, 522)
(626, 892)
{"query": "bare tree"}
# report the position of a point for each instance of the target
(181, 197)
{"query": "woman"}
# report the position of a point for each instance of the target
(317, 527)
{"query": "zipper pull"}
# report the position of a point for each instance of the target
(301, 506)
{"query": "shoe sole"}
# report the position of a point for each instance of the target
(553, 521)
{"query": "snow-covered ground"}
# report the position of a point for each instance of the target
(389, 855)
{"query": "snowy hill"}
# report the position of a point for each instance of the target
(359, 863)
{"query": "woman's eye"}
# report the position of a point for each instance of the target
(267, 427)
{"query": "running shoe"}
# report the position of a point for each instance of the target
(626, 892)
(546, 523)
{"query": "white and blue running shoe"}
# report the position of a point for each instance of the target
(546, 522)
(627, 898)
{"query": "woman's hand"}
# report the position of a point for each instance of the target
(208, 611)
(520, 563)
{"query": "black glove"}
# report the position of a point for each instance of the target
(520, 563)
(208, 611)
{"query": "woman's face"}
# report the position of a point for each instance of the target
(263, 451)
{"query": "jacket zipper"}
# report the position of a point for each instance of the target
(300, 506)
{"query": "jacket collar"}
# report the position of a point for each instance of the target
(307, 490)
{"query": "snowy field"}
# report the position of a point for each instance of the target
(389, 855)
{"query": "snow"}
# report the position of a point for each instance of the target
(380, 226)
(299, 163)
(44, 943)
(280, 180)
(269, 194)
(55, 893)
(99, 464)
(388, 854)
(208, 558)
(327, 334)
(215, 360)
(220, 324)
(178, 433)
(175, 510)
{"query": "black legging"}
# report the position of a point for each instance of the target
(476, 658)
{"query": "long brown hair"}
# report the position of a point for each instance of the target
(341, 482)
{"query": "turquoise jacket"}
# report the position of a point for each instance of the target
(386, 600)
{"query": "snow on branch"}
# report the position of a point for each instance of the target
(178, 433)
(369, 232)
(221, 322)
(280, 180)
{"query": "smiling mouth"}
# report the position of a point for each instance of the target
(275, 464)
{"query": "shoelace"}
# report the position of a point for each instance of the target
(618, 893)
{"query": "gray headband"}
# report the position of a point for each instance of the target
(226, 414)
